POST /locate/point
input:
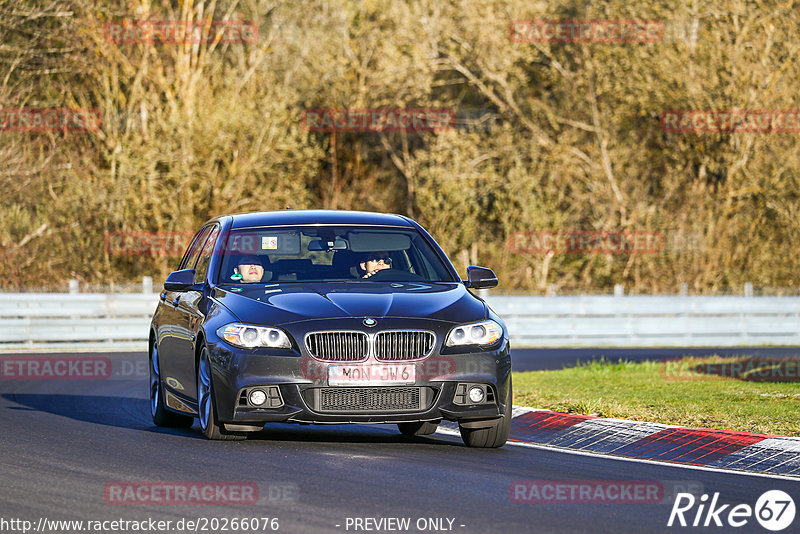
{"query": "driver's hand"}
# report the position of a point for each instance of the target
(378, 267)
(373, 272)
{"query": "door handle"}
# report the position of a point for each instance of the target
(163, 296)
(176, 301)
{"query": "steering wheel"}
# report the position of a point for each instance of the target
(395, 275)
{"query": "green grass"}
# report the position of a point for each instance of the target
(671, 393)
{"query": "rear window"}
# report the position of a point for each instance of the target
(326, 253)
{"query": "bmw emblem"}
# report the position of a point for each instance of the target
(370, 322)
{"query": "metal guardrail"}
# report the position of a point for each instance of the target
(648, 321)
(30, 320)
(118, 320)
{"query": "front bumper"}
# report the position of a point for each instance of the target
(303, 381)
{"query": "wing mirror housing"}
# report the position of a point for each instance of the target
(480, 278)
(182, 280)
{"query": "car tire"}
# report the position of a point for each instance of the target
(161, 415)
(495, 433)
(419, 428)
(206, 407)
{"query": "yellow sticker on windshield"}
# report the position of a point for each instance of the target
(269, 242)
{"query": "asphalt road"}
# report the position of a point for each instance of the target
(65, 442)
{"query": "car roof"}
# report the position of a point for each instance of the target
(314, 217)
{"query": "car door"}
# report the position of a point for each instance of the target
(191, 313)
(172, 327)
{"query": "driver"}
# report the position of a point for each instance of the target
(375, 262)
(251, 268)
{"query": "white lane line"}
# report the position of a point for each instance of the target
(638, 460)
(451, 432)
(758, 451)
(766, 452)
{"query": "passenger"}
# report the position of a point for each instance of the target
(251, 268)
(374, 262)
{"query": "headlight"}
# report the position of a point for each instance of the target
(248, 336)
(482, 333)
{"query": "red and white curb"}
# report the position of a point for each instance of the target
(724, 449)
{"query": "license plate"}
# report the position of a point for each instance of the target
(371, 375)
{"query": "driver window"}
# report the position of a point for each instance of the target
(205, 256)
(197, 246)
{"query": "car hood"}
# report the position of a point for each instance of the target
(277, 304)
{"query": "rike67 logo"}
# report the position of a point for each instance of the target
(774, 510)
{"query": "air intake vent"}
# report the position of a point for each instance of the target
(370, 400)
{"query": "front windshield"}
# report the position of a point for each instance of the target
(329, 253)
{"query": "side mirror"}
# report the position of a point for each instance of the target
(480, 277)
(182, 280)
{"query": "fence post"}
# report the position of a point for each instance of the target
(748, 289)
(147, 284)
(684, 290)
(619, 290)
(73, 287)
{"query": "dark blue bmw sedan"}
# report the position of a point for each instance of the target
(327, 317)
